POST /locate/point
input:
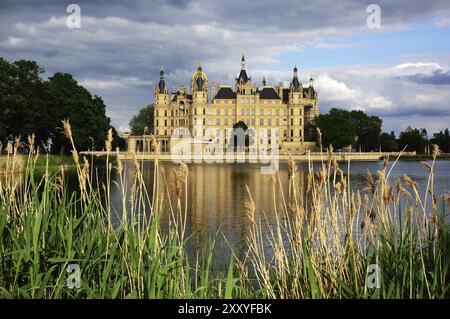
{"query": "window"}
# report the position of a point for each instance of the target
(226, 122)
(300, 133)
(157, 112)
(269, 122)
(218, 111)
(300, 122)
(292, 133)
(277, 112)
(204, 112)
(253, 111)
(218, 122)
(261, 112)
(165, 122)
(292, 121)
(253, 122)
(261, 122)
(226, 111)
(204, 121)
(277, 122)
(242, 112)
(248, 112)
(165, 112)
(195, 111)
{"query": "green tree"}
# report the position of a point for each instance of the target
(368, 129)
(247, 139)
(337, 128)
(86, 114)
(28, 105)
(144, 119)
(23, 108)
(413, 139)
(388, 142)
(443, 140)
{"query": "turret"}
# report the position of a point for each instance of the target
(295, 84)
(199, 84)
(243, 82)
(161, 88)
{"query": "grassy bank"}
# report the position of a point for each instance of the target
(322, 245)
(40, 162)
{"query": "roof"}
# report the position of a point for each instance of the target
(295, 83)
(268, 93)
(199, 83)
(175, 96)
(243, 76)
(225, 93)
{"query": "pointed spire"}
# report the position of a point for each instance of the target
(264, 80)
(311, 82)
(199, 65)
(162, 83)
(243, 63)
(295, 81)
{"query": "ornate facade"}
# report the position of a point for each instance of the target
(209, 116)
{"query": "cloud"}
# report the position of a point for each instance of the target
(437, 77)
(121, 46)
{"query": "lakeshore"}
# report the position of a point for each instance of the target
(253, 158)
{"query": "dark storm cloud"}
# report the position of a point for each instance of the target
(438, 77)
(121, 45)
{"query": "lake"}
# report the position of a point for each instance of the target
(217, 192)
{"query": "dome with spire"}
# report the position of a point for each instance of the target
(199, 80)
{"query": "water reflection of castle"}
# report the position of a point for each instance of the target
(216, 194)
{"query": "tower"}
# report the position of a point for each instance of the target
(244, 84)
(199, 85)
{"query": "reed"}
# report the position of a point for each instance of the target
(323, 241)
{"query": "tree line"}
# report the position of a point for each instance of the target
(342, 128)
(30, 105)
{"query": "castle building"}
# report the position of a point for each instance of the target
(285, 113)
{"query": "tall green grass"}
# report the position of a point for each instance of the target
(321, 245)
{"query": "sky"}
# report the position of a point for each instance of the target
(399, 71)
